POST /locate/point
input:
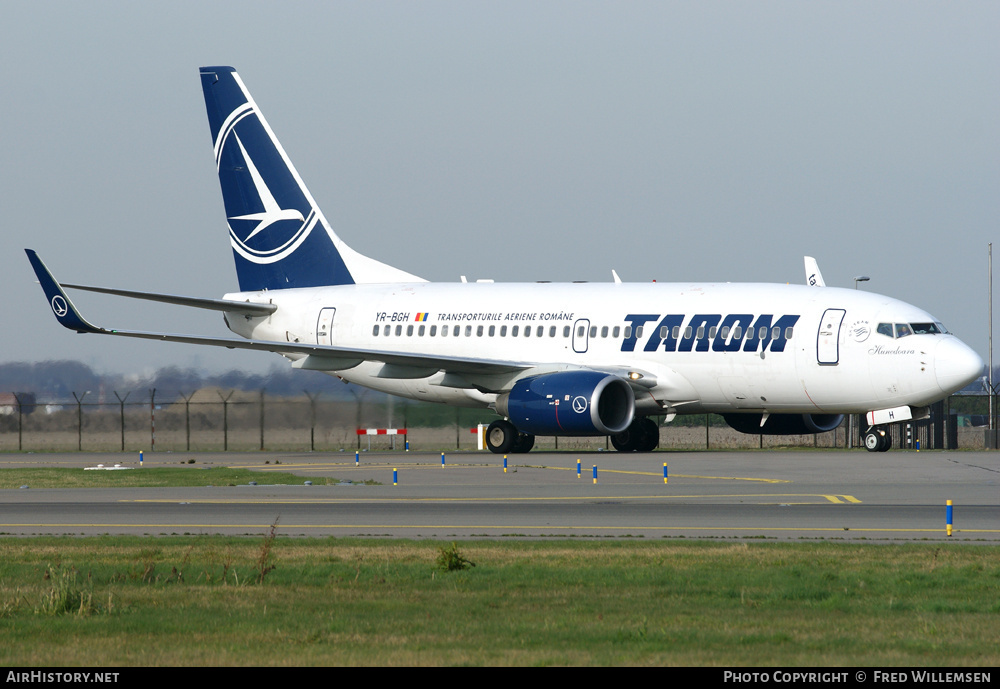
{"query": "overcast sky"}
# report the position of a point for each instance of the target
(516, 141)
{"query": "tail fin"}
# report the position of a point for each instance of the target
(279, 236)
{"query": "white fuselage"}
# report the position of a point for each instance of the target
(821, 351)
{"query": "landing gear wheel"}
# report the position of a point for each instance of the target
(878, 440)
(625, 441)
(886, 443)
(873, 440)
(650, 435)
(524, 443)
(642, 435)
(501, 437)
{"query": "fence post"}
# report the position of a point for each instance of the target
(152, 420)
(79, 420)
(187, 419)
(312, 420)
(121, 408)
(18, 400)
(225, 420)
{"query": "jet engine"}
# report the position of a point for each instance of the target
(784, 424)
(569, 403)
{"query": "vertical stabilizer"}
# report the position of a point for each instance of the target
(279, 236)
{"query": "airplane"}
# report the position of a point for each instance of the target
(580, 359)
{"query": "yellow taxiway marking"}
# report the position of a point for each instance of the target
(340, 466)
(548, 528)
(835, 499)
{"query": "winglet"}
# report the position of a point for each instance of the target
(66, 313)
(814, 278)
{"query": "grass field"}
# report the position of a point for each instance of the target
(119, 601)
(149, 477)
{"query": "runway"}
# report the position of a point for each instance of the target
(834, 495)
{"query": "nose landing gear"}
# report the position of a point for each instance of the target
(877, 439)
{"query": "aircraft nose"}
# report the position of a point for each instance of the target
(956, 365)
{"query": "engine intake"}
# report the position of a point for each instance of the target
(569, 403)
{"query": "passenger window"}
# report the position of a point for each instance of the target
(614, 332)
(456, 330)
(385, 331)
(701, 331)
(677, 331)
(468, 331)
(552, 331)
(493, 330)
(527, 331)
(628, 331)
(638, 332)
(788, 333)
(711, 332)
(503, 331)
(737, 332)
(479, 331)
(725, 332)
(775, 333)
(579, 331)
(444, 331)
(540, 331)
(513, 331)
(375, 331)
(604, 331)
(420, 331)
(593, 331)
(566, 330)
(688, 332)
(399, 330)
(434, 330)
(409, 331)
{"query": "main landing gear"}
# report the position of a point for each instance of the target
(642, 435)
(877, 439)
(502, 438)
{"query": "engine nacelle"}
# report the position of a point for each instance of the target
(569, 403)
(784, 424)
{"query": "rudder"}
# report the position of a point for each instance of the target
(280, 238)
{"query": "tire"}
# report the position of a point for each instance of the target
(524, 443)
(873, 441)
(624, 441)
(886, 443)
(650, 435)
(500, 437)
(642, 435)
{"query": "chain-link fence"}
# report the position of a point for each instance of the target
(219, 420)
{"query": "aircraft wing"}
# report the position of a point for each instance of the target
(317, 357)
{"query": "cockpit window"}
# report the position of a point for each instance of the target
(898, 330)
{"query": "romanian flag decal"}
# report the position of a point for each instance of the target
(421, 317)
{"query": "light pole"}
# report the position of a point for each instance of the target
(860, 278)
